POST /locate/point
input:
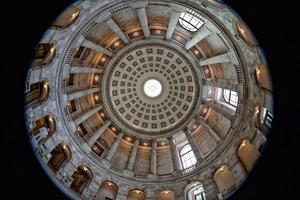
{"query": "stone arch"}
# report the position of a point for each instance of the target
(189, 191)
(166, 195)
(38, 93)
(44, 54)
(136, 194)
(44, 128)
(81, 178)
(224, 179)
(247, 154)
(245, 34)
(61, 155)
(67, 18)
(107, 189)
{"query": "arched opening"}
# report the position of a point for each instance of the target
(224, 180)
(44, 54)
(136, 194)
(230, 97)
(194, 191)
(245, 34)
(81, 178)
(187, 156)
(262, 77)
(38, 93)
(191, 21)
(248, 154)
(44, 128)
(68, 17)
(108, 191)
(61, 155)
(166, 195)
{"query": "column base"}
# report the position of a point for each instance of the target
(106, 163)
(176, 173)
(128, 173)
(151, 176)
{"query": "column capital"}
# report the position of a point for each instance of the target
(139, 4)
(103, 17)
(178, 8)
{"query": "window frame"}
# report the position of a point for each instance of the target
(190, 158)
(187, 23)
(228, 96)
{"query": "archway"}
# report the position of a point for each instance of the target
(136, 194)
(44, 54)
(61, 155)
(108, 190)
(67, 18)
(248, 154)
(44, 129)
(37, 94)
(81, 178)
(166, 195)
(224, 180)
(194, 191)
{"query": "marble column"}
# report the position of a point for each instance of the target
(153, 157)
(209, 131)
(114, 147)
(132, 158)
(193, 144)
(140, 7)
(202, 33)
(87, 115)
(94, 137)
(82, 93)
(91, 45)
(174, 17)
(116, 29)
(175, 161)
(223, 85)
(85, 70)
(222, 110)
(223, 58)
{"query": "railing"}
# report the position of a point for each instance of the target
(189, 170)
(239, 73)
(63, 86)
(70, 56)
(88, 29)
(120, 8)
(67, 114)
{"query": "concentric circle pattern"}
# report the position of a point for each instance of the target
(141, 112)
(148, 100)
(152, 88)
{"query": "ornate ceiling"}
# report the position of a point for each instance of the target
(117, 90)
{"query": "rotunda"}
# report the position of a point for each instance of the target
(148, 99)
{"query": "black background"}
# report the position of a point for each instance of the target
(274, 23)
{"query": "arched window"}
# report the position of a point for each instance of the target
(61, 154)
(230, 97)
(191, 21)
(81, 178)
(198, 193)
(187, 156)
(37, 94)
(107, 190)
(195, 191)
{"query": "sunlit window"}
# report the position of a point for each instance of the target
(191, 21)
(230, 97)
(267, 117)
(199, 193)
(187, 156)
(196, 193)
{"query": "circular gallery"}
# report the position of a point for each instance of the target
(148, 99)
